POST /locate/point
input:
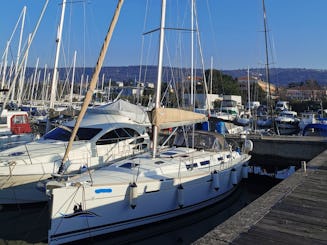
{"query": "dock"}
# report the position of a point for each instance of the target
(285, 149)
(292, 212)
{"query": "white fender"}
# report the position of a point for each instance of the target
(180, 196)
(234, 176)
(247, 146)
(215, 179)
(132, 195)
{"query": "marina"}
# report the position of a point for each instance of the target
(233, 219)
(186, 155)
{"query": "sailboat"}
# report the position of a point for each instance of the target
(245, 117)
(150, 187)
(265, 120)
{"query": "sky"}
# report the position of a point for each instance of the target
(230, 33)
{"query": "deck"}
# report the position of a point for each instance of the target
(292, 212)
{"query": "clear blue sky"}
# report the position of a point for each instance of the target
(231, 32)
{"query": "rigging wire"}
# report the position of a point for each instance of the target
(141, 56)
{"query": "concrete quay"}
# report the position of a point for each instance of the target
(292, 212)
(291, 149)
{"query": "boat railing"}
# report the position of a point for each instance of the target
(125, 150)
(50, 155)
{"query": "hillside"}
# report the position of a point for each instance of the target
(278, 76)
(284, 76)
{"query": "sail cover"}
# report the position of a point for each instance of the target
(173, 117)
(123, 108)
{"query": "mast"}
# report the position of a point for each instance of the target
(4, 71)
(249, 98)
(11, 70)
(192, 55)
(109, 90)
(18, 51)
(34, 80)
(44, 84)
(160, 59)
(81, 87)
(102, 82)
(5, 55)
(24, 59)
(87, 81)
(37, 85)
(73, 80)
(267, 57)
(55, 69)
(211, 71)
(22, 76)
(93, 82)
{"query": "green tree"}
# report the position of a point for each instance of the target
(222, 83)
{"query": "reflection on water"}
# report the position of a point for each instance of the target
(278, 174)
(29, 224)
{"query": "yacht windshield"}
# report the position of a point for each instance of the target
(63, 133)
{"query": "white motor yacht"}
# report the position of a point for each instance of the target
(106, 133)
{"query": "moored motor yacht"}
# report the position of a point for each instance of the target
(106, 133)
(287, 122)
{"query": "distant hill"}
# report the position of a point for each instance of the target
(278, 76)
(284, 76)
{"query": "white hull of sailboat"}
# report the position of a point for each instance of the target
(110, 208)
(22, 184)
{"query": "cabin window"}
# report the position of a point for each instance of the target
(3, 120)
(64, 133)
(220, 158)
(203, 163)
(129, 165)
(116, 135)
(191, 166)
(87, 133)
(19, 119)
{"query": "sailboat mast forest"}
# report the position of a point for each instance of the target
(152, 186)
